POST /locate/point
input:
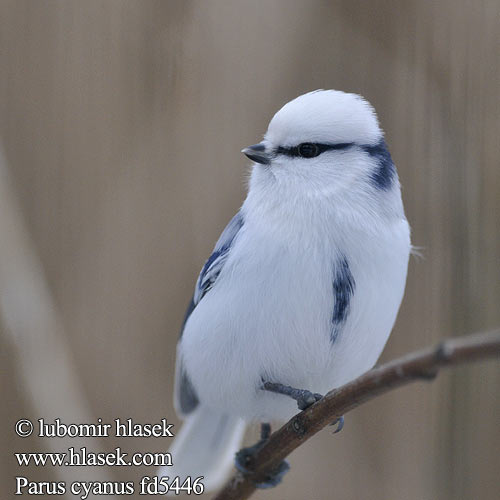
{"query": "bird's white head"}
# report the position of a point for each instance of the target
(325, 117)
(324, 144)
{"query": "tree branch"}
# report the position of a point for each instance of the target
(420, 365)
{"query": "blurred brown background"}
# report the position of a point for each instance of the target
(121, 124)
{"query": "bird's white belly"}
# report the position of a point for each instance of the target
(279, 328)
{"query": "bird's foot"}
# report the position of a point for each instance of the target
(245, 456)
(303, 397)
(307, 399)
(274, 477)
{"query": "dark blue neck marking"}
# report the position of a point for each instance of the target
(384, 175)
(343, 290)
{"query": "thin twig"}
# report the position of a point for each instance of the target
(424, 365)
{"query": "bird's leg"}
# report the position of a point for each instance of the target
(303, 397)
(265, 432)
(245, 455)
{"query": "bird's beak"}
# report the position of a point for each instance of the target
(257, 153)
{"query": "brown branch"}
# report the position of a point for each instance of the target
(424, 364)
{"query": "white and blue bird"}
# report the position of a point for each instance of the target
(304, 284)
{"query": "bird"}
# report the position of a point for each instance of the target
(303, 287)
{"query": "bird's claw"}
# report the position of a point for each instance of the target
(339, 422)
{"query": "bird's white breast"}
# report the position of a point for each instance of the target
(269, 315)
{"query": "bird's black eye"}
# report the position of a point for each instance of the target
(308, 150)
(311, 149)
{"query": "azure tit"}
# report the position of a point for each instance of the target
(303, 286)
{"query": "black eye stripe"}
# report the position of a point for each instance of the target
(294, 151)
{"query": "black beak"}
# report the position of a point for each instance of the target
(257, 153)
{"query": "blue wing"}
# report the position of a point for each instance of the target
(185, 396)
(216, 261)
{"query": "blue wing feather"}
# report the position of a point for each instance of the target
(216, 261)
(185, 394)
